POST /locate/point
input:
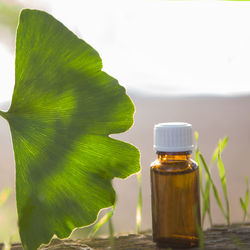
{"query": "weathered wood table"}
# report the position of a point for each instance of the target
(218, 237)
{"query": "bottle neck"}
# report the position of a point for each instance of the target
(174, 156)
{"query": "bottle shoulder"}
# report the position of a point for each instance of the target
(175, 166)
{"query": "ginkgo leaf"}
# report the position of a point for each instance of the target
(63, 110)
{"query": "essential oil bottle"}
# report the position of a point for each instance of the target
(175, 187)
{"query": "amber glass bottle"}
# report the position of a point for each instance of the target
(175, 187)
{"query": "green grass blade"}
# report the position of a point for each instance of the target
(196, 135)
(197, 152)
(209, 215)
(205, 205)
(206, 202)
(207, 195)
(215, 154)
(139, 205)
(213, 185)
(247, 194)
(101, 222)
(201, 237)
(244, 204)
(222, 174)
(224, 143)
(199, 230)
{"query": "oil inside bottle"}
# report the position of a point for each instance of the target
(175, 200)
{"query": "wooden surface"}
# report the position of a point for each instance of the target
(219, 237)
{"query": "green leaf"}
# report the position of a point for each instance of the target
(63, 110)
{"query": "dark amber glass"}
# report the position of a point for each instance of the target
(175, 200)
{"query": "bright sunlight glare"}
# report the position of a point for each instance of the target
(7, 76)
(167, 46)
(158, 46)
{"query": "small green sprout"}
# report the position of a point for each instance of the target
(222, 174)
(244, 204)
(213, 186)
(101, 222)
(205, 191)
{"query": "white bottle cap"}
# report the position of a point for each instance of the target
(173, 137)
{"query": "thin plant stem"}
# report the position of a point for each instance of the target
(139, 205)
(111, 232)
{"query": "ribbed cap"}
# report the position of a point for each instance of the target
(173, 137)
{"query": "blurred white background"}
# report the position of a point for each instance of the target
(157, 46)
(180, 61)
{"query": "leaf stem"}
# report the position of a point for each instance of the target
(3, 114)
